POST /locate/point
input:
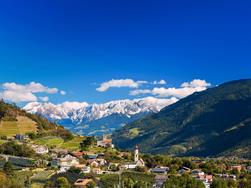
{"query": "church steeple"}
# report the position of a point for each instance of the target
(136, 154)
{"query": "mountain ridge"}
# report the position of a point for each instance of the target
(84, 118)
(196, 124)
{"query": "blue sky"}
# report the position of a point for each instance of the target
(77, 45)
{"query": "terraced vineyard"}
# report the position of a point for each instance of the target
(21, 126)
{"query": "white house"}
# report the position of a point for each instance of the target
(197, 172)
(41, 150)
(159, 170)
(67, 162)
(97, 171)
(129, 165)
(97, 162)
(105, 142)
(184, 170)
(86, 169)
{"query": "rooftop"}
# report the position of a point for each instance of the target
(82, 182)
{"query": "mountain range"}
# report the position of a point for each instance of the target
(97, 119)
(214, 122)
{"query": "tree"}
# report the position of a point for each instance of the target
(113, 168)
(139, 184)
(49, 184)
(91, 184)
(141, 169)
(189, 164)
(74, 170)
(88, 142)
(12, 148)
(62, 182)
(63, 133)
(32, 135)
(232, 184)
(3, 179)
(244, 182)
(8, 168)
(210, 167)
(27, 182)
(150, 161)
(183, 181)
(219, 183)
(128, 182)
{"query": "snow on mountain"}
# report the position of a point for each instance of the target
(79, 111)
(55, 112)
(84, 114)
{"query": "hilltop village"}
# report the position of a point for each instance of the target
(95, 162)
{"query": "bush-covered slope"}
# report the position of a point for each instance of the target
(210, 123)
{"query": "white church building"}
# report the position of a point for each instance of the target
(138, 162)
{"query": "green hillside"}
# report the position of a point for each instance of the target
(14, 120)
(22, 125)
(210, 123)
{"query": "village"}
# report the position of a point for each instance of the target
(97, 160)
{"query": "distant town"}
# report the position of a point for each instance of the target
(99, 164)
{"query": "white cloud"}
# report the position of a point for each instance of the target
(62, 92)
(25, 93)
(44, 99)
(140, 91)
(127, 83)
(159, 103)
(14, 96)
(196, 83)
(120, 83)
(32, 87)
(176, 92)
(161, 82)
(186, 89)
(142, 82)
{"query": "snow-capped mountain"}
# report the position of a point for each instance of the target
(84, 118)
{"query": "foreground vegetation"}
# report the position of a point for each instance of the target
(25, 168)
(44, 176)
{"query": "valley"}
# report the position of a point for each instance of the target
(146, 152)
(98, 119)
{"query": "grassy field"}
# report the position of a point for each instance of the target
(135, 176)
(3, 141)
(50, 141)
(42, 176)
(57, 142)
(73, 144)
(112, 180)
(101, 150)
(21, 126)
(109, 180)
(133, 132)
(37, 185)
(22, 176)
(26, 125)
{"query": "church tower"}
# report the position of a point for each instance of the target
(104, 137)
(136, 154)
